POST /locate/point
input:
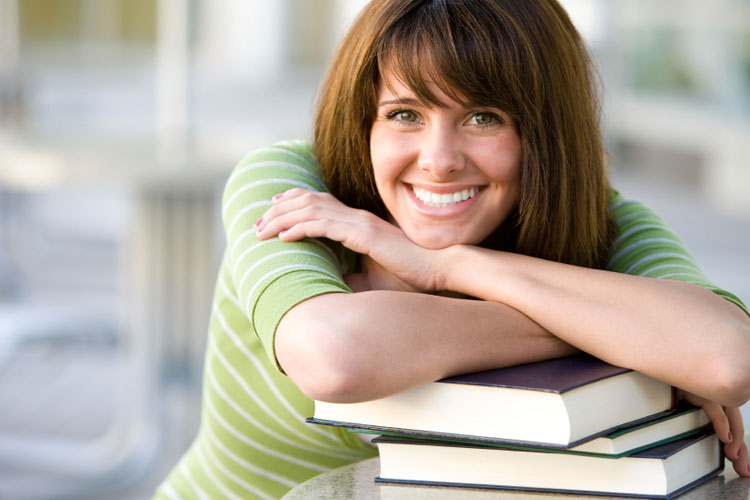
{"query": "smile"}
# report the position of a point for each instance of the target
(443, 200)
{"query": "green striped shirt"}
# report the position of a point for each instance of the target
(253, 442)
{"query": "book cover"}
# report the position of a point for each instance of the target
(554, 375)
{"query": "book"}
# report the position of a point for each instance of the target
(555, 403)
(685, 421)
(663, 471)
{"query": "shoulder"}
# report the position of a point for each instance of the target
(285, 160)
(625, 209)
(271, 170)
(634, 219)
(297, 152)
(641, 237)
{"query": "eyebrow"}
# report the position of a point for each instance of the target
(410, 101)
(401, 100)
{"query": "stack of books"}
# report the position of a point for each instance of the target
(574, 424)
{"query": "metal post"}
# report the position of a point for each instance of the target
(172, 82)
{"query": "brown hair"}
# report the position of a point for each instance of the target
(525, 58)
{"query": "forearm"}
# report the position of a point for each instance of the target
(676, 332)
(360, 346)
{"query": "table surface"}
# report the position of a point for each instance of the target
(355, 482)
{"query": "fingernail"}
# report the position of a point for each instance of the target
(729, 436)
(276, 197)
(259, 221)
(739, 452)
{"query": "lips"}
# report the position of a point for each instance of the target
(440, 200)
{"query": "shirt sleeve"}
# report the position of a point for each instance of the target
(270, 277)
(646, 246)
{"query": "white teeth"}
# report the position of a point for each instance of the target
(443, 200)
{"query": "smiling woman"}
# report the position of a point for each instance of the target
(453, 215)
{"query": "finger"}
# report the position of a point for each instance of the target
(306, 205)
(736, 451)
(344, 231)
(308, 229)
(736, 432)
(285, 202)
(304, 196)
(742, 463)
(740, 460)
(719, 420)
(294, 218)
(291, 194)
(357, 230)
(284, 219)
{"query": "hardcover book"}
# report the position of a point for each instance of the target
(685, 421)
(556, 403)
(664, 471)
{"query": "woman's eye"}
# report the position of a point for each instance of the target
(484, 119)
(403, 116)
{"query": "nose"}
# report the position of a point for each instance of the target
(440, 152)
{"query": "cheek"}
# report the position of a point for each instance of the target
(387, 157)
(381, 171)
(504, 161)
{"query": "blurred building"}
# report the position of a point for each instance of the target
(119, 121)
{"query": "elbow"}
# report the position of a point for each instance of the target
(730, 378)
(333, 383)
(332, 376)
(738, 383)
(321, 361)
(732, 389)
(728, 369)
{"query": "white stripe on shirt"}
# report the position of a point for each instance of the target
(260, 369)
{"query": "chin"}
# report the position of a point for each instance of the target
(437, 242)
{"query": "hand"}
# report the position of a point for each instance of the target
(299, 213)
(727, 422)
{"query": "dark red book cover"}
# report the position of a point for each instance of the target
(553, 375)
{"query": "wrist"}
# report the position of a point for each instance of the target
(477, 272)
(448, 268)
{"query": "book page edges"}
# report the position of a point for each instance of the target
(638, 395)
(671, 496)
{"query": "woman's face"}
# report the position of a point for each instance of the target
(447, 175)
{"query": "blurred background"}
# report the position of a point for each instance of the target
(120, 120)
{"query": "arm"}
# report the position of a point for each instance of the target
(361, 346)
(658, 327)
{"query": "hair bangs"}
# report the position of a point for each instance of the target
(450, 46)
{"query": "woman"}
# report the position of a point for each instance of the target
(457, 157)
